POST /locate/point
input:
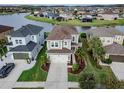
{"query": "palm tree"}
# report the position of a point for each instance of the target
(2, 46)
(95, 45)
(80, 53)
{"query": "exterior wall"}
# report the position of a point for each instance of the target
(76, 37)
(18, 38)
(108, 16)
(119, 39)
(67, 44)
(106, 40)
(49, 44)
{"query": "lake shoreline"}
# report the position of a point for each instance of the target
(119, 22)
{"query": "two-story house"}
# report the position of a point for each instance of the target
(108, 35)
(26, 42)
(112, 40)
(5, 30)
(62, 43)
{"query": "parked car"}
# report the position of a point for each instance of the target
(5, 70)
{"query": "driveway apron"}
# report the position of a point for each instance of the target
(57, 76)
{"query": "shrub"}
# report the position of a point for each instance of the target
(107, 61)
(87, 81)
(75, 67)
(83, 35)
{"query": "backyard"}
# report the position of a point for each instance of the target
(100, 74)
(36, 73)
(78, 22)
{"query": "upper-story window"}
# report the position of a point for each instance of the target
(73, 39)
(32, 37)
(16, 41)
(108, 41)
(52, 44)
(56, 44)
(20, 41)
(65, 43)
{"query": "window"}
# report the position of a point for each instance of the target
(20, 41)
(108, 41)
(65, 43)
(16, 41)
(73, 38)
(56, 44)
(10, 38)
(52, 44)
(32, 37)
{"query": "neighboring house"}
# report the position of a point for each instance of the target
(5, 30)
(115, 51)
(86, 19)
(51, 15)
(62, 43)
(108, 15)
(67, 16)
(26, 42)
(107, 35)
(112, 41)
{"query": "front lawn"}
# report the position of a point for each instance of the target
(100, 74)
(77, 22)
(36, 73)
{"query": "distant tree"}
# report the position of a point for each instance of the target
(87, 81)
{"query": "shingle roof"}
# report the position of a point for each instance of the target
(62, 32)
(63, 50)
(26, 30)
(24, 48)
(4, 28)
(104, 32)
(115, 49)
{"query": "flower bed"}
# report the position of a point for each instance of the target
(81, 64)
(46, 66)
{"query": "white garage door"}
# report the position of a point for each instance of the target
(59, 58)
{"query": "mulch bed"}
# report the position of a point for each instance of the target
(46, 66)
(81, 66)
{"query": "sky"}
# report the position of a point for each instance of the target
(59, 2)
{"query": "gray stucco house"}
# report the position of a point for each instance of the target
(26, 42)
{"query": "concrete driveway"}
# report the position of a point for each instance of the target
(13, 76)
(57, 76)
(118, 70)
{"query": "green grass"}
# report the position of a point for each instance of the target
(100, 74)
(76, 22)
(6, 13)
(36, 73)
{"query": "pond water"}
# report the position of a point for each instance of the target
(18, 20)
